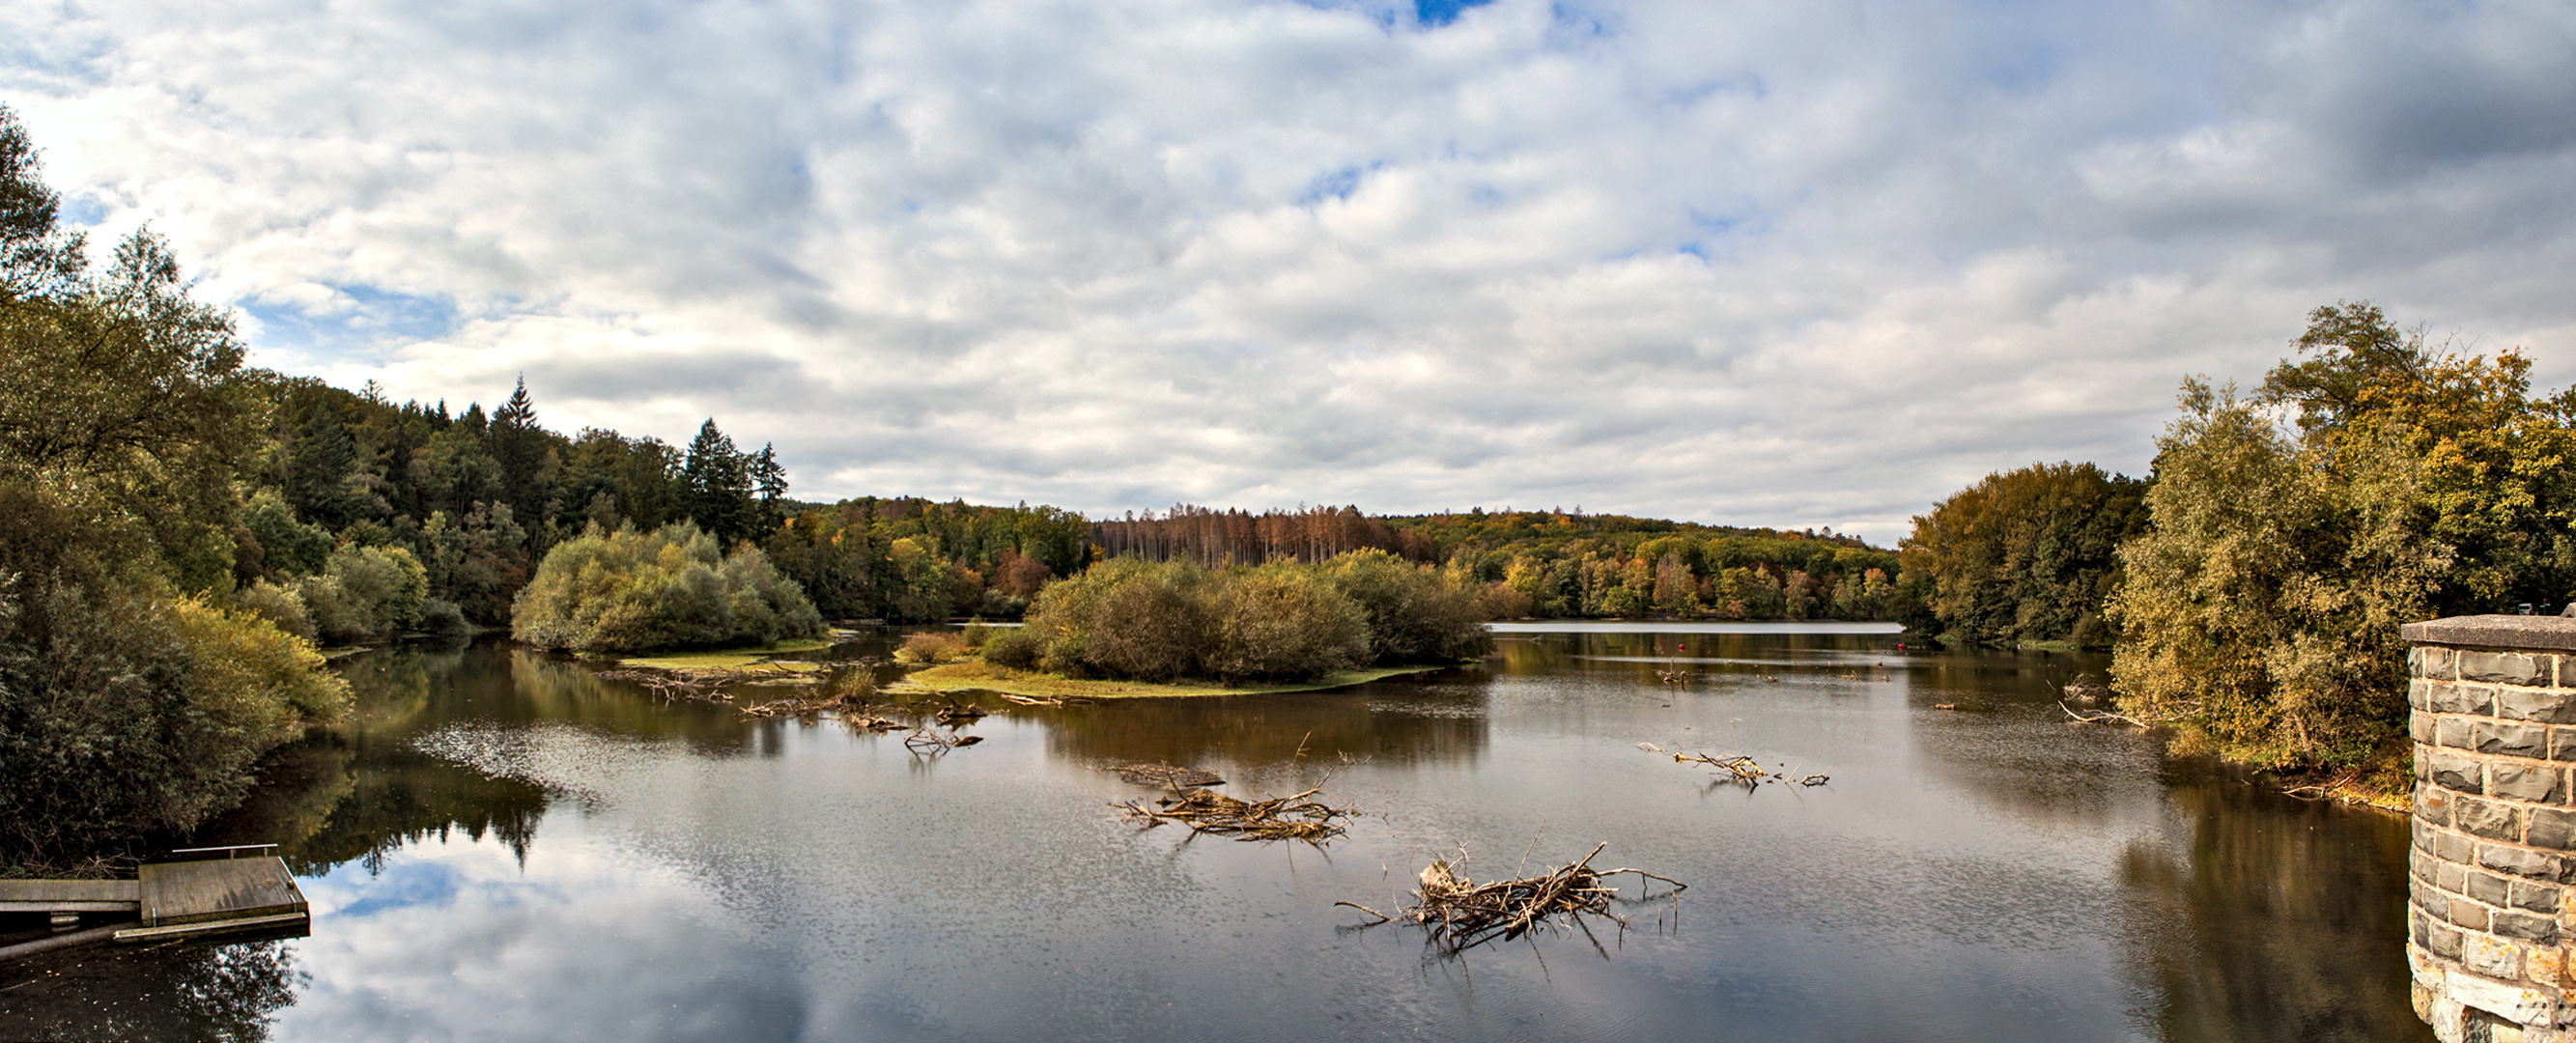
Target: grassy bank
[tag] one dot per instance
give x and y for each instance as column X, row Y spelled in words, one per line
column 978, row 675
column 734, row 658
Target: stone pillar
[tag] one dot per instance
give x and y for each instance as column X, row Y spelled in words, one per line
column 2492, row 910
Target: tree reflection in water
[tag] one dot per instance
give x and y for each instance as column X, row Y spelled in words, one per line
column 2244, row 926
column 230, row 991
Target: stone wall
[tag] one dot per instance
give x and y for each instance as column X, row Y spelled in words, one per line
column 2493, row 895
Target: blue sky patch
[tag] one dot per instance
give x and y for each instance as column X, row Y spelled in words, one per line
column 1334, row 184
column 1442, row 12
column 359, row 315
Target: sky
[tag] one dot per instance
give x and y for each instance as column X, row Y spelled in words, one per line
column 1797, row 264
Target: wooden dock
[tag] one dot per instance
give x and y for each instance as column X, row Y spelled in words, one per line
column 168, row 900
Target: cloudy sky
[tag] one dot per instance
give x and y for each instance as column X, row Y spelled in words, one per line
column 1789, row 263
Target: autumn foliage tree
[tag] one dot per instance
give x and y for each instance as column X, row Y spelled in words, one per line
column 2372, row 484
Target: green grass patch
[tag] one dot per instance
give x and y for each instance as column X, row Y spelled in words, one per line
column 734, row 658
column 975, row 674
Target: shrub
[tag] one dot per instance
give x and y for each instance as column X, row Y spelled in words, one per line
column 279, row 605
column 630, row 592
column 441, row 616
column 365, row 594
column 1020, row 648
column 1127, row 618
column 1415, row 614
column 1284, row 623
column 931, row 648
column 125, row 714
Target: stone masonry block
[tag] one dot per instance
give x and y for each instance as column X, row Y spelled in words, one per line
column 2546, row 967
column 2454, row 847
column 2551, row 706
column 2532, row 897
column 2418, row 695
column 2506, row 667
column 2452, row 730
column 2452, row 771
column 2486, row 887
column 2438, row 664
column 2493, row 957
column 2496, row 738
column 2419, row 727
column 2567, row 671
column 2530, row 927
column 2423, row 893
column 2562, row 742
column 2470, row 916
column 2493, row 820
column 2446, row 697
column 2550, row 828
column 2423, row 835
column 2433, row 804
column 2449, row 876
column 2442, row 938
column 2539, row 785
column 2415, row 661
column 2518, row 861
column 2415, row 927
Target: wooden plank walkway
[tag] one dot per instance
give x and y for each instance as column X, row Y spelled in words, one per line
column 69, row 896
column 216, row 895
column 167, row 900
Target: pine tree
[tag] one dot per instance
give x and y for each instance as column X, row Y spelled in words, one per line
column 519, row 446
column 318, row 470
column 770, row 480
column 718, row 483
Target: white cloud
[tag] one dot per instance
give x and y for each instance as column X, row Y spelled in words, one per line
column 1763, row 263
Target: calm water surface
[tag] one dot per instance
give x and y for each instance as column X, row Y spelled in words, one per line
column 501, row 845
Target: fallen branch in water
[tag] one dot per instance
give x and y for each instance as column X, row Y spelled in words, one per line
column 1461, row 914
column 923, row 740
column 1292, row 817
column 1746, row 771
column 1049, row 700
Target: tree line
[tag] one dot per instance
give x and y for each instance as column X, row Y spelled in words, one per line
column 2253, row 584
column 1555, row 564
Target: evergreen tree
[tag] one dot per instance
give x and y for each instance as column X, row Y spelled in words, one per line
column 520, row 446
column 770, row 480
column 317, row 478
column 718, row 483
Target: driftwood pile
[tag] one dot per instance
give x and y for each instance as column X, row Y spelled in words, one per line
column 673, row 686
column 1460, row 914
column 1749, row 773
column 1292, row 817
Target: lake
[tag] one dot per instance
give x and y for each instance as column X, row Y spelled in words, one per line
column 501, row 845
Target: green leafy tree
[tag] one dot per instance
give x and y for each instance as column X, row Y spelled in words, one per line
column 627, row 591
column 2025, row 555
column 131, row 700
column 2373, row 484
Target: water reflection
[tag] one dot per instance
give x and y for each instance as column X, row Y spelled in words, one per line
column 502, row 844
column 2229, row 915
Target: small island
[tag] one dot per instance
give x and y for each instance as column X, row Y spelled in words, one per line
column 1128, row 628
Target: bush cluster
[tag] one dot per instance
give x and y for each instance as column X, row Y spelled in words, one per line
column 629, row 591
column 1140, row 620
column 123, row 714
